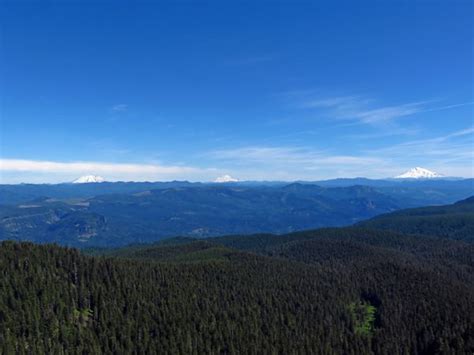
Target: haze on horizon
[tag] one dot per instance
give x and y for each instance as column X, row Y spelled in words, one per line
column 253, row 90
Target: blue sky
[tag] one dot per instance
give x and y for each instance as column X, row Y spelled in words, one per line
column 275, row 90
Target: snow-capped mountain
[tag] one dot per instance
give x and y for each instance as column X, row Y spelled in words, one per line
column 419, row 173
column 226, row 178
column 88, row 179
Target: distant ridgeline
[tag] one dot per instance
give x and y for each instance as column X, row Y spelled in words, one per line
column 328, row 291
column 116, row 214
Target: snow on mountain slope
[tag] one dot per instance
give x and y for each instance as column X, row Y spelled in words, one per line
column 419, row 173
column 88, row 179
column 226, row 178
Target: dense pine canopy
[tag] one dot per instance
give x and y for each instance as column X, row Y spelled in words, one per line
column 329, row 291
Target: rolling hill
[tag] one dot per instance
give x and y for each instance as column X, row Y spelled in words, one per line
column 114, row 214
column 346, row 290
column 454, row 221
column 120, row 219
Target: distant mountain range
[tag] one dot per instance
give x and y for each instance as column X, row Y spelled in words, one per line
column 109, row 214
column 445, row 190
column 415, row 173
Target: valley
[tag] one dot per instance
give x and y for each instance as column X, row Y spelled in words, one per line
column 117, row 214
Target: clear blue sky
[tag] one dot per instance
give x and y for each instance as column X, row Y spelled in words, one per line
column 278, row 90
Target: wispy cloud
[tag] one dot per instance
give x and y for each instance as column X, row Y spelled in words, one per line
column 363, row 110
column 340, row 103
column 448, row 107
column 268, row 155
column 382, row 134
column 120, row 108
column 297, row 162
column 111, row 171
column 456, row 135
column 389, row 113
column 451, row 154
column 366, row 111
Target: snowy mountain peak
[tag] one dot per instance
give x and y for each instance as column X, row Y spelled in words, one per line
column 226, row 178
column 419, row 173
column 88, row 179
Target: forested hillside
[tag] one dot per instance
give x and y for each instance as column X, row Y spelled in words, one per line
column 332, row 291
column 454, row 221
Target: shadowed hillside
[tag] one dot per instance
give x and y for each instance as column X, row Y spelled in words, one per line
column 454, row 221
